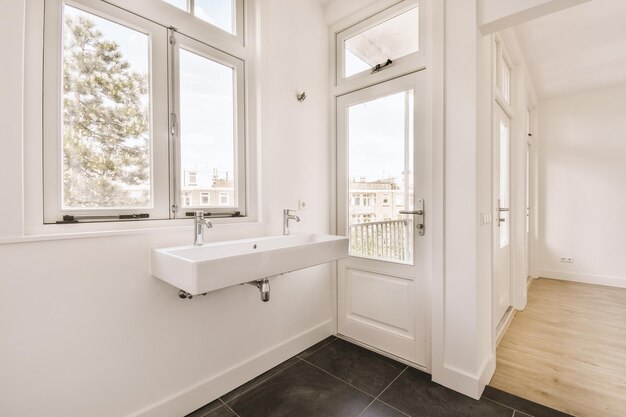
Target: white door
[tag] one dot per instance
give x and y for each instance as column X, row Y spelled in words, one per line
column 380, row 187
column 529, row 177
column 502, row 224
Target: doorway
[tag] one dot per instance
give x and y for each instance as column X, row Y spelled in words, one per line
column 502, row 225
column 380, row 195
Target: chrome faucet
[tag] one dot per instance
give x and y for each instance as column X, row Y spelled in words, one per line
column 198, row 230
column 286, row 217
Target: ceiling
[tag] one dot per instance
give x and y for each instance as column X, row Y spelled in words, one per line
column 577, row 49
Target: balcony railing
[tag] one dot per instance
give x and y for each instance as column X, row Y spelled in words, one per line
column 390, row 240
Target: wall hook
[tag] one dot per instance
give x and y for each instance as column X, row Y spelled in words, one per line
column 301, row 96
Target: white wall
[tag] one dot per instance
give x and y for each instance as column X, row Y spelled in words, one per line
column 463, row 348
column 11, row 104
column 582, row 187
column 86, row 331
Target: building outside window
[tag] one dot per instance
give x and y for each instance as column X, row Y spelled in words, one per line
column 192, row 178
column 187, row 199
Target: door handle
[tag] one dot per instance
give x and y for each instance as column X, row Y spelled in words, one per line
column 419, row 211
column 501, row 210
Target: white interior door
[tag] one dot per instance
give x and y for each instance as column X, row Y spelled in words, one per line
column 502, row 224
column 380, row 154
column 529, row 131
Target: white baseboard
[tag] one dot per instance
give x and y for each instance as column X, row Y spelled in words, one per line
column 609, row 281
column 466, row 383
column 196, row 396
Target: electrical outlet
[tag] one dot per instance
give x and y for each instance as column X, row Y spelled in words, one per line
column 567, row 259
column 302, row 205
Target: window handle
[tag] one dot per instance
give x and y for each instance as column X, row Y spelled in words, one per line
column 379, row 67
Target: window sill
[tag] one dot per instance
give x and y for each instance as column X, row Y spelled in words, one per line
column 224, row 227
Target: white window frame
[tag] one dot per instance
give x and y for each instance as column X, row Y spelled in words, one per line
column 503, row 61
column 133, row 15
column 239, row 169
column 400, row 66
column 238, row 22
column 52, row 125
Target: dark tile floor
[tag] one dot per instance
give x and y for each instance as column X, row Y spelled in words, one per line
column 336, row 378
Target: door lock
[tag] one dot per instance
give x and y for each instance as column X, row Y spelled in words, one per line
column 419, row 212
column 501, row 210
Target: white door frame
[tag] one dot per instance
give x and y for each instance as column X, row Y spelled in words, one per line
column 409, row 343
column 502, row 257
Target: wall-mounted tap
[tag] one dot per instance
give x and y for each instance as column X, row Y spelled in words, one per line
column 198, row 231
column 286, row 217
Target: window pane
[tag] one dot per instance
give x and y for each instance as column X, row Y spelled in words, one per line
column 219, row 13
column 207, row 145
column 506, row 81
column 106, row 118
column 392, row 39
column 380, row 167
column 181, row 4
column 504, row 182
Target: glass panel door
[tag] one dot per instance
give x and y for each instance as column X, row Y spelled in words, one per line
column 504, row 193
column 380, row 177
column 381, row 173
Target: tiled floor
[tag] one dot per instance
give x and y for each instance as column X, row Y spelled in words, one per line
column 338, row 379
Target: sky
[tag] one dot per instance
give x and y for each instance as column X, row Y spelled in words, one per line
column 376, row 145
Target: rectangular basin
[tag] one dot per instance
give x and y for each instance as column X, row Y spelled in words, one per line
column 200, row 269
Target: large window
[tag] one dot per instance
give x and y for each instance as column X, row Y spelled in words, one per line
column 134, row 110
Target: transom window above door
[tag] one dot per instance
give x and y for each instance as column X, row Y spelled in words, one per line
column 387, row 38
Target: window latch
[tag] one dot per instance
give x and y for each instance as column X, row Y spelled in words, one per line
column 76, row 219
column 209, row 214
column 379, row 67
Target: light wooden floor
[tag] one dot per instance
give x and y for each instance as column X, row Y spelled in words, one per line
column 567, row 349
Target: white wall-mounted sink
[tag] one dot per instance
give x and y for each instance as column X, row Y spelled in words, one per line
column 200, row 269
